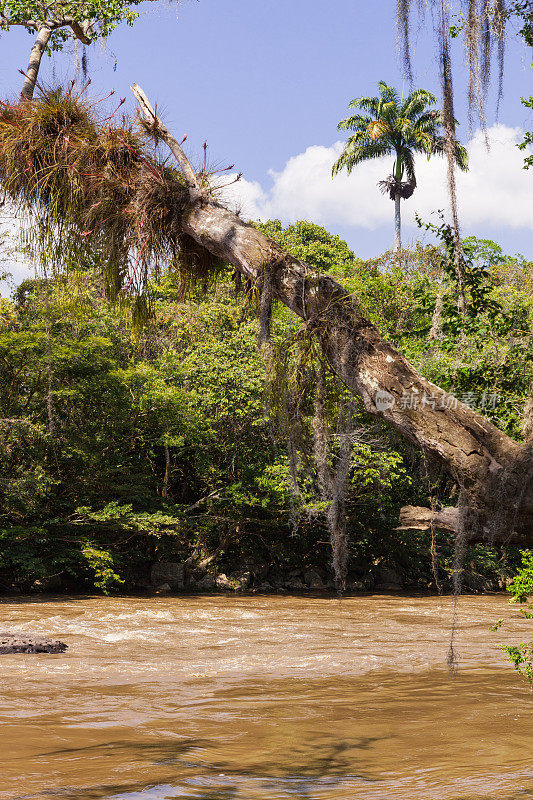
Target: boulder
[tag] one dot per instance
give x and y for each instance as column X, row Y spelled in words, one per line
column 241, row 579
column 222, row 582
column 51, row 583
column 11, row 643
column 313, row 579
column 276, row 579
column 295, row 584
column 236, row 581
column 206, row 584
column 171, row 572
column 258, row 569
column 388, row 579
column 163, row 589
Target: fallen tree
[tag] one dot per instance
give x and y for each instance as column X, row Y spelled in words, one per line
column 495, row 472
column 105, row 187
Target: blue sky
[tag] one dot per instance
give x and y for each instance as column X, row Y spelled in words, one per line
column 266, row 81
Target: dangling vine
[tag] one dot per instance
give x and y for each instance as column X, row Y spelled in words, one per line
column 266, row 298
column 483, row 24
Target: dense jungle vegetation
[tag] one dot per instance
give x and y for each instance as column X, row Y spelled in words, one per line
column 187, row 442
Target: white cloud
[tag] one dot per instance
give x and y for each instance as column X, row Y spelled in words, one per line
column 11, row 260
column 495, row 191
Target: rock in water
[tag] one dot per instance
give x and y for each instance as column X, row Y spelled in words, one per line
column 11, row 643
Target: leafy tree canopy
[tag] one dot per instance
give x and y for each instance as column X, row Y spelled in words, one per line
column 87, row 19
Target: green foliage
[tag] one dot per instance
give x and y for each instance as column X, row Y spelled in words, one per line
column 528, row 138
column 103, row 16
column 484, row 312
column 89, row 410
column 313, row 244
column 100, row 562
column 522, row 585
column 521, row 655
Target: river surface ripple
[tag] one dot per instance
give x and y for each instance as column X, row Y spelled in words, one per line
column 264, row 698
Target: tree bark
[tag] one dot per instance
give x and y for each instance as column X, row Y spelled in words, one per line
column 436, row 319
column 495, row 472
column 447, row 520
column 39, row 46
column 397, row 223
column 166, row 477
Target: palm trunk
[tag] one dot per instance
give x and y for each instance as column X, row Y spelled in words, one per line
column 30, row 79
column 397, row 223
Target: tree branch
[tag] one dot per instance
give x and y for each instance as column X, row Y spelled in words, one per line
column 161, row 131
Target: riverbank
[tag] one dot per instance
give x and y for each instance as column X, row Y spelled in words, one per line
column 176, row 579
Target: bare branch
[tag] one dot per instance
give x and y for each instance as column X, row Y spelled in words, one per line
column 163, row 133
column 82, row 31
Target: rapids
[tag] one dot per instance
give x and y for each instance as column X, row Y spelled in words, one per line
column 264, row 698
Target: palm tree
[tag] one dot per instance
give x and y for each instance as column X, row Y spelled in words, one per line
column 399, row 127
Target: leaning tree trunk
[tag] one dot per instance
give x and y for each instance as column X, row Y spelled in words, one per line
column 30, row 78
column 495, row 472
column 397, row 223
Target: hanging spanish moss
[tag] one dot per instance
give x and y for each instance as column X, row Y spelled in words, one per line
column 45, row 288
column 527, row 421
column 482, row 23
column 449, row 122
column 336, row 516
column 284, row 390
column 461, row 537
column 404, row 38
column 433, row 545
column 321, row 438
column 333, row 475
column 266, row 298
column 434, row 552
column 294, row 369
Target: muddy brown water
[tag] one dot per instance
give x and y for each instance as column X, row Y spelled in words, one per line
column 260, row 698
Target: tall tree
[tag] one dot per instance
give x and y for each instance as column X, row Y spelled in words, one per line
column 398, row 127
column 55, row 22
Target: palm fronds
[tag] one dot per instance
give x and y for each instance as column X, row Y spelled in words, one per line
column 395, row 126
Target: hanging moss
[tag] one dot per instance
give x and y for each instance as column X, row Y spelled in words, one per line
column 336, row 515
column 527, row 421
column 482, row 23
column 266, row 298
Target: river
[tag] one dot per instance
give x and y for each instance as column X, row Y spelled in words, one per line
column 260, row 698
